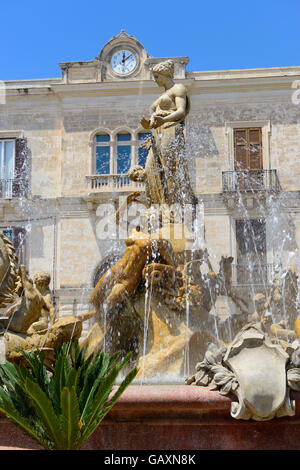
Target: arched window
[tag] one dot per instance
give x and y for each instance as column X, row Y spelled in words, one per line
column 102, row 154
column 142, row 153
column 124, row 150
column 116, row 153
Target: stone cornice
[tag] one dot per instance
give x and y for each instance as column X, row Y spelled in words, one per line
column 276, row 78
column 234, row 74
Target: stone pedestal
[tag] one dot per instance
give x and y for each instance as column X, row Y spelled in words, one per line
column 177, row 417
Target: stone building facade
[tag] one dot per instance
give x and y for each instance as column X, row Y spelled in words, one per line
column 67, row 144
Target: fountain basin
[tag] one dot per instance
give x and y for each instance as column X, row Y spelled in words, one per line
column 176, row 417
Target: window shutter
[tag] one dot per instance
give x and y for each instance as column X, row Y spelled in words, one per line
column 240, row 149
column 248, row 149
column 255, row 149
column 21, row 181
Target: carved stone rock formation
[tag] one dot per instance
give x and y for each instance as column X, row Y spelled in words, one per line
column 25, row 308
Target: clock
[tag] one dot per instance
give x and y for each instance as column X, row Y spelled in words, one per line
column 123, row 62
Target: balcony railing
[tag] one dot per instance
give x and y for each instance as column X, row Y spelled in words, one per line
column 111, row 183
column 251, row 274
column 14, row 187
column 6, row 188
column 250, row 180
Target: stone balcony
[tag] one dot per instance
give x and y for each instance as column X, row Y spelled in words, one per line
column 112, row 183
column 250, row 181
column 15, row 187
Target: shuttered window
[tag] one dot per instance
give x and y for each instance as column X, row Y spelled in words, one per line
column 248, row 149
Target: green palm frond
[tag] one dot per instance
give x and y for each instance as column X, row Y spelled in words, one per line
column 26, row 425
column 69, row 418
column 63, row 408
column 45, row 411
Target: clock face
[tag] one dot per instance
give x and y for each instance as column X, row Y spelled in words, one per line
column 123, row 62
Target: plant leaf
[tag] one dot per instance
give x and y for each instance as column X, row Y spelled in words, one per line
column 69, row 418
column 45, row 411
column 15, row 417
column 98, row 413
column 104, row 391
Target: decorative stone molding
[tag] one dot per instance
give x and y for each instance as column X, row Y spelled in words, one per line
column 100, row 70
column 15, row 134
column 235, row 200
column 257, row 370
column 122, row 41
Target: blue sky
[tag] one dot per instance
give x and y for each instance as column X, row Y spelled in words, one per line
column 36, row 35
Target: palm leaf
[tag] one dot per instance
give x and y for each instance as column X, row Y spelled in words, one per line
column 97, row 414
column 78, row 354
column 72, row 378
column 62, row 410
column 8, row 371
column 39, row 372
column 10, row 376
column 124, row 384
column 89, row 400
column 45, row 410
column 70, row 418
column 92, row 378
column 15, row 417
column 57, row 383
column 103, row 393
column 22, row 372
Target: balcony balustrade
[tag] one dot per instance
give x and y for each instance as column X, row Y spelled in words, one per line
column 15, row 187
column 250, row 180
column 6, row 188
column 112, row 183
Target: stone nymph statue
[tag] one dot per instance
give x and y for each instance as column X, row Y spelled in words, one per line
column 166, row 172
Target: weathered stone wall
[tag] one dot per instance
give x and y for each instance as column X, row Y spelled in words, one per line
column 39, row 119
column 207, row 139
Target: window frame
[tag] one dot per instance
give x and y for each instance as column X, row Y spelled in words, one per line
column 6, row 187
column 101, row 144
column 123, row 143
column 113, row 143
column 265, row 140
column 3, row 141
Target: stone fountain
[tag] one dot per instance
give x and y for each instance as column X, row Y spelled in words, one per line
column 164, row 288
column 158, row 298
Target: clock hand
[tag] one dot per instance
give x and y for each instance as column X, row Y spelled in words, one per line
column 127, row 57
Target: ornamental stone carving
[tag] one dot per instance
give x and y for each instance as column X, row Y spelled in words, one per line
column 257, row 370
